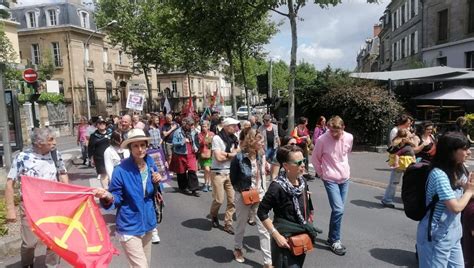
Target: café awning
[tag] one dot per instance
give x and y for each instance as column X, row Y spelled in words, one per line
column 455, row 93
column 415, row 74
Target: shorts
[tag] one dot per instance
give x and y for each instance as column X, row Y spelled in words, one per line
column 168, row 149
column 205, row 162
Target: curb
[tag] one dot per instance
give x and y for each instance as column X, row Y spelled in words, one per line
column 11, row 246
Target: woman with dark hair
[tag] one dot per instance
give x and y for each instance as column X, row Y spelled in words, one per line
column 275, row 168
column 292, row 208
column 425, row 142
column 449, row 189
column 114, row 154
column 320, row 128
column 303, row 140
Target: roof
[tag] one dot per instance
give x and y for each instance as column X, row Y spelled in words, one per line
column 412, row 74
column 455, row 93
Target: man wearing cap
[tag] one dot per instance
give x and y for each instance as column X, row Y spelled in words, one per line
column 225, row 146
column 269, row 132
column 99, row 141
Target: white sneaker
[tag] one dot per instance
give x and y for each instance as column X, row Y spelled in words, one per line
column 155, row 238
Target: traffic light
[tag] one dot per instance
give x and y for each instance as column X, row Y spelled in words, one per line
column 262, row 83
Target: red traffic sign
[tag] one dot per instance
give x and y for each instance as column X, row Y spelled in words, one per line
column 30, row 75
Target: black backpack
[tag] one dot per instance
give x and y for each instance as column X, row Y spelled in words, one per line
column 414, row 190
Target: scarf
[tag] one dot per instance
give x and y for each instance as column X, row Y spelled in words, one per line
column 294, row 192
column 229, row 141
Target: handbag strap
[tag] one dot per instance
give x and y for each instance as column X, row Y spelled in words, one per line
column 304, row 204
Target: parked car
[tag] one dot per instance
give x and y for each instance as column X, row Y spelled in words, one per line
column 242, row 113
column 260, row 109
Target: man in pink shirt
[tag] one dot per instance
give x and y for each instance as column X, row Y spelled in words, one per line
column 330, row 160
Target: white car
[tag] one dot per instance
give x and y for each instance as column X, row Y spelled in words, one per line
column 242, row 113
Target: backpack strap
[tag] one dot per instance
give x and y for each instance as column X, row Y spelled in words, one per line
column 431, row 208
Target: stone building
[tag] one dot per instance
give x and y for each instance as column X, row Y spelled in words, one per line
column 58, row 32
column 448, row 34
column 368, row 56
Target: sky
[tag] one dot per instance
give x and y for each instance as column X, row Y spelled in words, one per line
column 330, row 36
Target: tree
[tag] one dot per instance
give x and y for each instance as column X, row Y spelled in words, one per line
column 8, row 56
column 226, row 28
column 293, row 7
column 141, row 33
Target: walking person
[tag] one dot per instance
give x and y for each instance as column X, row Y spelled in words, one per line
column 320, row 128
column 292, row 207
column 184, row 161
column 404, row 122
column 205, row 154
column 438, row 239
column 276, row 167
column 225, row 147
column 269, row 132
column 98, row 143
column 82, row 138
column 132, row 192
column 247, row 171
column 167, row 135
column 331, row 162
column 114, row 154
column 43, row 162
column 426, row 142
column 154, row 132
column 303, row 140
column 125, row 125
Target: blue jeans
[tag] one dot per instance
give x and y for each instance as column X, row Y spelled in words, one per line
column 395, row 177
column 337, row 194
column 270, row 154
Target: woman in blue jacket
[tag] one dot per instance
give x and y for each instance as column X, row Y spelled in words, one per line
column 131, row 192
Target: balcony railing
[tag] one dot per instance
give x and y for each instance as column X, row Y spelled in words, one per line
column 123, row 68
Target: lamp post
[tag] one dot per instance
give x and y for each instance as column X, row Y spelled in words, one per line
column 86, row 78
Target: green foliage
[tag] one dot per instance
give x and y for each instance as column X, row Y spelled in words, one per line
column 3, row 218
column 53, row 98
column 470, row 124
column 46, row 67
column 7, row 53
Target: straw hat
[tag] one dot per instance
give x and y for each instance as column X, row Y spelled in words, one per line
column 134, row 135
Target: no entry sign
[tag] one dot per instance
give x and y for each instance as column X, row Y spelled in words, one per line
column 30, row 75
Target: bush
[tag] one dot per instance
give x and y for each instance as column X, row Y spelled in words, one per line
column 368, row 111
column 53, row 98
column 470, row 124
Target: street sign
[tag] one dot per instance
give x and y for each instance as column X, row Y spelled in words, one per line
column 30, row 75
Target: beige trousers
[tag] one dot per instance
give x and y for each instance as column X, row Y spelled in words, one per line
column 28, row 244
column 138, row 250
column 221, row 186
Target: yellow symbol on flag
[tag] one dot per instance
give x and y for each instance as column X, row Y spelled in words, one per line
column 73, row 224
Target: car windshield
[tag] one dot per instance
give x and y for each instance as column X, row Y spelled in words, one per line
column 242, row 109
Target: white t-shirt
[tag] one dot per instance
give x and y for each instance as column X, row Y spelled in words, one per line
column 219, row 166
column 30, row 163
column 392, row 135
column 112, row 158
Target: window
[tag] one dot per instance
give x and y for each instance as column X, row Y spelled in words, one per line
column 403, row 14
column 443, row 25
column 471, row 16
column 105, row 55
column 403, row 48
column 158, row 85
column 395, row 20
column 56, row 54
column 108, row 89
column 86, row 54
column 120, row 58
column 443, row 61
column 84, row 18
column 412, row 44
column 32, row 19
column 52, row 17
column 174, row 85
column 412, row 8
column 395, row 49
column 61, row 87
column 469, row 59
column 35, row 54
column 90, row 84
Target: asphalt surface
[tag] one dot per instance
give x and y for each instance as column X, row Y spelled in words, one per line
column 374, row 236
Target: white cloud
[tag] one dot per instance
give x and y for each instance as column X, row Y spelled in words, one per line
column 314, row 52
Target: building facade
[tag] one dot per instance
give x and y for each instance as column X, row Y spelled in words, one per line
column 368, row 56
column 448, row 38
column 58, row 33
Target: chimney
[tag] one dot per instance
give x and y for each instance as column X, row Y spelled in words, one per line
column 377, row 29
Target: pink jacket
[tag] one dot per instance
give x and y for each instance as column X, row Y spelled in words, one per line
column 330, row 157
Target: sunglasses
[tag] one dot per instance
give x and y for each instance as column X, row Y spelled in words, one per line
column 293, row 143
column 299, row 162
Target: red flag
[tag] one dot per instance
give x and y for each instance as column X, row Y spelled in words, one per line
column 188, row 110
column 67, row 219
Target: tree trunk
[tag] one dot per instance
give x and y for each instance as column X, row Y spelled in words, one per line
column 232, row 81
column 242, row 67
column 291, row 86
column 148, row 87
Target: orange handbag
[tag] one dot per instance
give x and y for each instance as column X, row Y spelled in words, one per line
column 300, row 244
column 250, row 197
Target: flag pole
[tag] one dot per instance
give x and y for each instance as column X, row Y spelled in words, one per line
column 58, row 192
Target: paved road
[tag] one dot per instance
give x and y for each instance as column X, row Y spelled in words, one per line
column 375, row 237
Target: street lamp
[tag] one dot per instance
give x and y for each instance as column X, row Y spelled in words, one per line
column 86, row 79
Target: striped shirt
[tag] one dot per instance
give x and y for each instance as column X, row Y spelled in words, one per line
column 438, row 183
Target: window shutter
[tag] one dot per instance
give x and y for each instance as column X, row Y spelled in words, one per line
column 409, row 9
column 406, row 12
column 416, row 7
column 399, row 49
column 393, row 21
column 416, row 42
column 393, row 52
column 406, row 46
